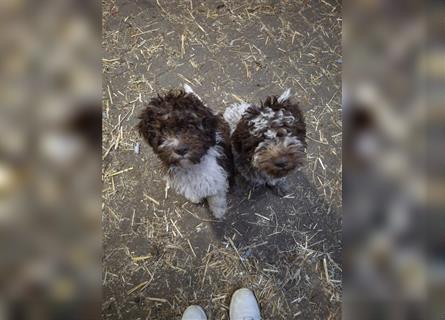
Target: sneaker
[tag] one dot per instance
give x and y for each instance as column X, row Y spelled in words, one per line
column 244, row 306
column 194, row 313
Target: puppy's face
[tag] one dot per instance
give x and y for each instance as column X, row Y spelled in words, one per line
column 179, row 129
column 182, row 142
column 278, row 153
column 272, row 138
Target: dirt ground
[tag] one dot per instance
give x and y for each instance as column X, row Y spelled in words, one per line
column 162, row 253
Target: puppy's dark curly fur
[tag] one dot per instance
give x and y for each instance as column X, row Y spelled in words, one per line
column 269, row 140
column 184, row 115
column 193, row 145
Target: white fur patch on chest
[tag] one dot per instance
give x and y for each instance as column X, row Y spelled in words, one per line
column 201, row 180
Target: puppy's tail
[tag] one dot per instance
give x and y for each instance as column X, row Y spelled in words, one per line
column 189, row 90
column 284, row 96
column 234, row 113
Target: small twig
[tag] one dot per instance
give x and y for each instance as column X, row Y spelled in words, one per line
column 191, row 248
column 139, row 287
column 151, row 199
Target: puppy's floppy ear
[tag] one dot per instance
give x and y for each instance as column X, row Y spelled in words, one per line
column 146, row 125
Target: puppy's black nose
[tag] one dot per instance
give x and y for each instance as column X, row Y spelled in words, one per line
column 181, row 150
column 280, row 162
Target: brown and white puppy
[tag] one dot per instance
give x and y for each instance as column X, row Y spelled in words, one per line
column 193, row 144
column 268, row 141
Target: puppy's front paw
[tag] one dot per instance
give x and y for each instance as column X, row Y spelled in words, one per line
column 218, row 205
column 194, row 200
column 282, row 188
column 218, row 212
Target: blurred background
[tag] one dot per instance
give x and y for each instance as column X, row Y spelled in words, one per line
column 393, row 191
column 393, row 178
column 50, row 139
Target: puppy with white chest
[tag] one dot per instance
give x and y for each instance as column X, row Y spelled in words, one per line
column 193, row 145
column 268, row 141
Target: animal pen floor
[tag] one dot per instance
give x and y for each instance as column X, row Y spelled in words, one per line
column 160, row 252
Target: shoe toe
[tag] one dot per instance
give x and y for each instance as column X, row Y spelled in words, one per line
column 244, row 305
column 194, row 313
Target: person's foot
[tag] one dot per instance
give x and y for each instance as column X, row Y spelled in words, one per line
column 244, row 306
column 194, row 313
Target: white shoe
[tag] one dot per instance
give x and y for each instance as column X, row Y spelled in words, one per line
column 244, row 306
column 194, row 313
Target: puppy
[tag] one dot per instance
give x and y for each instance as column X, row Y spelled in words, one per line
column 268, row 141
column 193, row 145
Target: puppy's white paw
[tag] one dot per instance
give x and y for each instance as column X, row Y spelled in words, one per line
column 194, row 200
column 217, row 212
column 218, row 205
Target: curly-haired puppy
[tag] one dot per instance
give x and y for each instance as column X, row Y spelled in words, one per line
column 193, row 144
column 268, row 141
